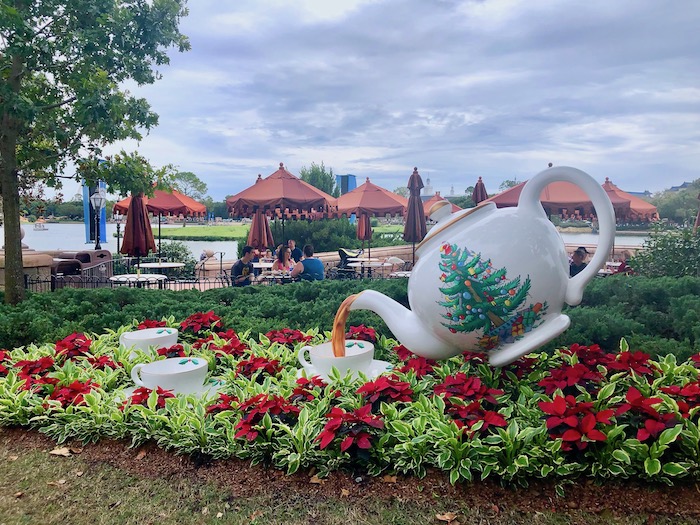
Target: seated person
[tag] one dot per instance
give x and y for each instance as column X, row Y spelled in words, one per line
column 309, row 268
column 624, row 267
column 242, row 270
column 284, row 262
column 267, row 256
column 578, row 261
column 296, row 252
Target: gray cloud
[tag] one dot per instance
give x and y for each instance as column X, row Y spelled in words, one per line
column 460, row 89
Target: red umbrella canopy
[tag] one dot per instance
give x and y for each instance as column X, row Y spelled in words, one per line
column 260, row 235
column 138, row 237
column 166, row 203
column 414, row 228
column 437, row 198
column 636, row 208
column 372, row 200
column 479, row 194
column 564, row 195
column 280, row 190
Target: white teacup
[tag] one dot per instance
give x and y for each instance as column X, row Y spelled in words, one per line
column 148, row 338
column 182, row 375
column 358, row 358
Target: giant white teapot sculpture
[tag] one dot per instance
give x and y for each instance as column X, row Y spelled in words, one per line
column 493, row 280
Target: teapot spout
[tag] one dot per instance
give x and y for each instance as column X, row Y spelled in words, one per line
column 408, row 328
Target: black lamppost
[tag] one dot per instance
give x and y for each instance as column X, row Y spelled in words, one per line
column 118, row 219
column 98, row 201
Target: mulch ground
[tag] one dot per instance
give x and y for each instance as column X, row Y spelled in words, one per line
column 241, row 481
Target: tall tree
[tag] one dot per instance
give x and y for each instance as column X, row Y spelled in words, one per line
column 62, row 65
column 318, row 177
column 402, row 190
column 189, row 184
column 508, row 183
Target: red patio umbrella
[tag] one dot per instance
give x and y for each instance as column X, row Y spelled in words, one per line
column 414, row 228
column 281, row 191
column 138, row 237
column 260, row 235
column 479, row 194
column 166, row 203
column 364, row 231
column 372, row 200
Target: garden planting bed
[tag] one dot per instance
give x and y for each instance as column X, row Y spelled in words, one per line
column 580, row 428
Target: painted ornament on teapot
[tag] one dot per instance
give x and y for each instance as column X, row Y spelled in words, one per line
column 479, row 297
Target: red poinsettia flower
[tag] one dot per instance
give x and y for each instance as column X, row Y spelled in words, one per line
column 695, row 359
column 474, row 358
column 467, row 388
column 640, row 413
column 569, row 376
column 76, row 344
column 637, row 402
column 150, row 323
column 362, row 333
column 690, row 394
column 637, row 362
column 248, row 367
column 102, row 362
column 388, row 389
column 420, row 366
column 403, row 353
column 353, row 425
column 255, row 408
column 522, row 366
column 33, row 368
column 176, row 350
column 4, row 362
column 307, row 389
column 575, row 423
column 287, row 336
column 224, row 403
column 73, row 393
column 199, row 322
column 591, row 356
column 140, row 397
column 467, row 415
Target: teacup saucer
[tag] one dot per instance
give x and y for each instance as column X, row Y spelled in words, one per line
column 377, row 368
column 210, row 389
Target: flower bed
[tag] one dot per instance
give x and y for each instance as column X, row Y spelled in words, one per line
column 578, row 412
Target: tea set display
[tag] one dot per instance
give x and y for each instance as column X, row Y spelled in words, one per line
column 485, row 280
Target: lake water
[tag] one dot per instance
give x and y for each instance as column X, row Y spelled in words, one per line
column 71, row 237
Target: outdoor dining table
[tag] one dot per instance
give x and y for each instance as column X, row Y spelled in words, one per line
column 163, row 266
column 261, row 265
column 365, row 265
column 276, row 278
column 139, row 280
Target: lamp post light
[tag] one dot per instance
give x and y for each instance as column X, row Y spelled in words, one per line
column 118, row 219
column 98, row 201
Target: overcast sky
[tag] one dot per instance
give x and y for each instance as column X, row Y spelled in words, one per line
column 460, row 89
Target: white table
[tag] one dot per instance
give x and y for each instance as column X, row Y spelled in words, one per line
column 143, row 280
column 368, row 265
column 261, row 265
column 163, row 266
column 277, row 277
column 362, row 259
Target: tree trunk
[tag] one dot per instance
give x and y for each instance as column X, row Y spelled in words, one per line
column 9, row 189
column 14, row 267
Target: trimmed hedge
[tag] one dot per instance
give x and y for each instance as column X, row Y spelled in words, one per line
column 657, row 315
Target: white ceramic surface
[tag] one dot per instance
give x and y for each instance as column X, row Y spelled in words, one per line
column 358, row 356
column 210, row 389
column 453, row 310
column 376, row 368
column 148, row 339
column 182, row 375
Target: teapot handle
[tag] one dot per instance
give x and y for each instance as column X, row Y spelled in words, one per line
column 530, row 202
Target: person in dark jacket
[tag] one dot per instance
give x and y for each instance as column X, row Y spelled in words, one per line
column 296, row 252
column 578, row 261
